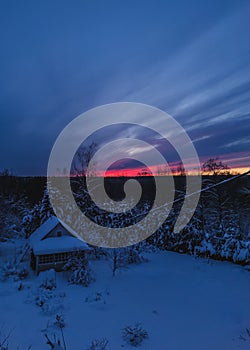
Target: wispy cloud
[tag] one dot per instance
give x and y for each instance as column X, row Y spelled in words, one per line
column 205, row 84
column 198, row 72
column 201, row 138
column 238, row 142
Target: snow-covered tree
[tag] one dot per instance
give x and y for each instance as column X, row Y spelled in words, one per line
column 37, row 215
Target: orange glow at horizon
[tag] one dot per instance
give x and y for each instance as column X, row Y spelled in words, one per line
column 155, row 171
column 135, row 172
column 236, row 163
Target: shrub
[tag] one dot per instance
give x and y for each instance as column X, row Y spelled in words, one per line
column 50, row 333
column 98, row 344
column 4, row 340
column 48, row 279
column 134, row 335
column 49, row 301
column 54, row 343
column 12, row 268
column 79, row 271
column 81, row 275
column 97, row 297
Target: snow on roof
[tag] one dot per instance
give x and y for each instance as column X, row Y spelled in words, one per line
column 43, row 230
column 59, row 245
column 54, row 244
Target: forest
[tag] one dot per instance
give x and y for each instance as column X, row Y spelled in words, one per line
column 219, row 228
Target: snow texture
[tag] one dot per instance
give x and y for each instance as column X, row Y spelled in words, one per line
column 184, row 303
column 43, row 245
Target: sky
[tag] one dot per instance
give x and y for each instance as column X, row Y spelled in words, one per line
column 60, row 58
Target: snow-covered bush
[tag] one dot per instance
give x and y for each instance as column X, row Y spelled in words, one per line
column 98, row 344
column 59, row 321
column 22, row 272
column 51, row 333
column 134, row 335
column 48, row 279
column 79, row 271
column 81, row 275
column 55, row 323
column 4, row 339
column 205, row 249
column 245, row 336
column 12, row 208
column 12, row 268
column 53, row 342
column 49, row 301
column 97, row 297
column 132, row 255
column 236, row 250
column 225, row 248
column 247, row 267
column 122, row 257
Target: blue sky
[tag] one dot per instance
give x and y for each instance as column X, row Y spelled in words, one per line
column 60, row 58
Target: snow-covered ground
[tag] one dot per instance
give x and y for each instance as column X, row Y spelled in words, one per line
column 184, row 303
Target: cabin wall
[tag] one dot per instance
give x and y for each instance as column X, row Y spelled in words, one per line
column 57, row 231
column 55, row 261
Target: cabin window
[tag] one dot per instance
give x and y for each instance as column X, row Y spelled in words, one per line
column 54, row 258
column 59, row 233
column 61, row 257
column 46, row 259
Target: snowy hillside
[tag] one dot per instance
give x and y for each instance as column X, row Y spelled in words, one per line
column 183, row 303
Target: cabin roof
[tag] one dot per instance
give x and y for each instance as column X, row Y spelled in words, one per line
column 59, row 245
column 43, row 230
column 42, row 245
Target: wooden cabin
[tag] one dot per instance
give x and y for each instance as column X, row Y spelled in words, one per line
column 52, row 245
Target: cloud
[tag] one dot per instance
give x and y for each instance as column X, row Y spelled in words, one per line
column 195, row 68
column 238, row 142
column 201, row 138
column 205, row 84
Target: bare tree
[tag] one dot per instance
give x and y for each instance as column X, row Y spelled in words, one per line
column 81, row 160
column 180, row 169
column 214, row 166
